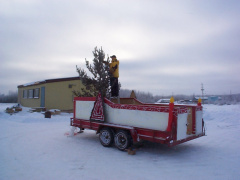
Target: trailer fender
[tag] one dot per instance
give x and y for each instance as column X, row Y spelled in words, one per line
column 104, row 126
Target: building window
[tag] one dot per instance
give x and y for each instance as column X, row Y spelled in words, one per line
column 25, row 94
column 30, row 93
column 36, row 93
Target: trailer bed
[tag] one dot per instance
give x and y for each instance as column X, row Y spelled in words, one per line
column 167, row 124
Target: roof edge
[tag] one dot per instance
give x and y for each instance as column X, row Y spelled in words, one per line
column 48, row 81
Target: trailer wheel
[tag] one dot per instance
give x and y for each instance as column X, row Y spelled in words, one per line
column 122, row 140
column 106, row 137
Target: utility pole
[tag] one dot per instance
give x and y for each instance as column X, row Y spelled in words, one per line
column 202, row 89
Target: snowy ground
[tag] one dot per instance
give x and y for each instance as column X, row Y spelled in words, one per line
column 32, row 147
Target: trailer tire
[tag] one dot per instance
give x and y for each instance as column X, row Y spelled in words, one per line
column 106, row 137
column 122, row 140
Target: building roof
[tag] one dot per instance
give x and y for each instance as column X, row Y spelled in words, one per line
column 48, row 81
column 202, row 98
column 163, row 101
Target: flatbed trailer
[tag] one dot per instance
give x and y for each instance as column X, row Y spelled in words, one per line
column 131, row 121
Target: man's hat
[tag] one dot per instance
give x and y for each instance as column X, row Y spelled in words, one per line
column 113, row 56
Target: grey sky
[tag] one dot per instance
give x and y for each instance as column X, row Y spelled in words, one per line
column 164, row 47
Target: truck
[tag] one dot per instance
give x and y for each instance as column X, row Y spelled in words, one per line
column 125, row 121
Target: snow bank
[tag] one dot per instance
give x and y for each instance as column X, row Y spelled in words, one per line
column 34, row 147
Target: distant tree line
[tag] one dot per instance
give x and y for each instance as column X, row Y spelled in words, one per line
column 229, row 99
column 12, row 97
column 150, row 98
column 141, row 96
column 147, row 97
column 144, row 97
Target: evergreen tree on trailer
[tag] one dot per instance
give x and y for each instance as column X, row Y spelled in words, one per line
column 100, row 79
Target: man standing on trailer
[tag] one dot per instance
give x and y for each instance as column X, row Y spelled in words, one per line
column 114, row 70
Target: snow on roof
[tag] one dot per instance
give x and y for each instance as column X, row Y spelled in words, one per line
column 163, row 101
column 203, row 98
column 34, row 83
column 48, row 81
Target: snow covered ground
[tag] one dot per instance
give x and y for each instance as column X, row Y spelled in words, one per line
column 32, row 147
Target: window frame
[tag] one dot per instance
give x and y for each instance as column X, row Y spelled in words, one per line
column 30, row 93
column 36, row 93
column 25, row 94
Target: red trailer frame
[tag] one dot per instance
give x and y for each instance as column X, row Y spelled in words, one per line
column 168, row 137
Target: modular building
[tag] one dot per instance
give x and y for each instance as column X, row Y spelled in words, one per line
column 50, row 93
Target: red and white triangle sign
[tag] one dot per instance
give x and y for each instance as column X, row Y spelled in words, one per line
column 97, row 112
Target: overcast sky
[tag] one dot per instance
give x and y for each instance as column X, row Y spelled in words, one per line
column 164, row 46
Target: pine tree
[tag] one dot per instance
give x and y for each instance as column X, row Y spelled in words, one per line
column 99, row 81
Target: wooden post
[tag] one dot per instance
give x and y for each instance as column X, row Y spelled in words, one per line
column 133, row 95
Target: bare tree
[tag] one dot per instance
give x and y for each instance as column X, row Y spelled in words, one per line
column 12, row 97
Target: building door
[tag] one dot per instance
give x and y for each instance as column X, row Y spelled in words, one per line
column 42, row 97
